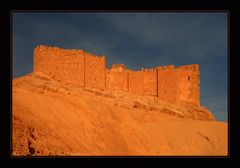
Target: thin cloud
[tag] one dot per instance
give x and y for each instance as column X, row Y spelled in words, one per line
column 193, row 34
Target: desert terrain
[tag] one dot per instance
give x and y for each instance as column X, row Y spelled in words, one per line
column 53, row 118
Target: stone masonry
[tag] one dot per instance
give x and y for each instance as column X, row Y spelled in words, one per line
column 174, row 84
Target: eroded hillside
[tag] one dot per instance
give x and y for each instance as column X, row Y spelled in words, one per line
column 55, row 118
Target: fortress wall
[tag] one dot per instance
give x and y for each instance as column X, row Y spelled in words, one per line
column 189, row 84
column 95, row 71
column 150, row 82
column 71, row 70
column 117, row 81
column 136, row 81
column 40, row 56
column 77, row 67
column 62, row 64
column 167, row 83
column 45, row 59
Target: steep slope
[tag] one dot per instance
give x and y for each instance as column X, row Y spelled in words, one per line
column 54, row 118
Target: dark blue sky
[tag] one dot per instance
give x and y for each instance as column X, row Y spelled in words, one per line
column 136, row 40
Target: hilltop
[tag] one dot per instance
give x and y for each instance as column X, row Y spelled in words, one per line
column 51, row 117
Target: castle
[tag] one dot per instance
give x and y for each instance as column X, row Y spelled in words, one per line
column 170, row 83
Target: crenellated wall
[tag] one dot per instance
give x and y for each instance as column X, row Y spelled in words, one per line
column 189, row 84
column 150, row 81
column 174, row 84
column 95, row 72
column 117, row 80
column 167, row 83
column 71, row 66
column 61, row 64
column 136, row 82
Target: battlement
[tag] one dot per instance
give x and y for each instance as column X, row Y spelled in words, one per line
column 148, row 69
column 71, row 66
column 194, row 67
column 166, row 67
column 174, row 84
column 117, row 68
column 43, row 48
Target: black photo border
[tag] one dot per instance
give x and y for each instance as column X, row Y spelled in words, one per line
column 6, row 10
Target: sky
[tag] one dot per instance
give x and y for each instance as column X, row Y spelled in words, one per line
column 136, row 39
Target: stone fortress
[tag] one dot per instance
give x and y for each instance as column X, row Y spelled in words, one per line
column 170, row 83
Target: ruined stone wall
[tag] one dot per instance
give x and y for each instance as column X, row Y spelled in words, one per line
column 117, row 68
column 117, row 81
column 142, row 82
column 167, row 83
column 95, row 71
column 136, row 81
column 150, row 82
column 189, row 84
column 70, row 66
column 71, row 70
column 62, row 64
column 174, row 84
column 179, row 84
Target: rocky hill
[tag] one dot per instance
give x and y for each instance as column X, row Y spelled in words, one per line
column 50, row 117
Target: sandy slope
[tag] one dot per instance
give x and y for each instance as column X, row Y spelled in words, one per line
column 52, row 118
